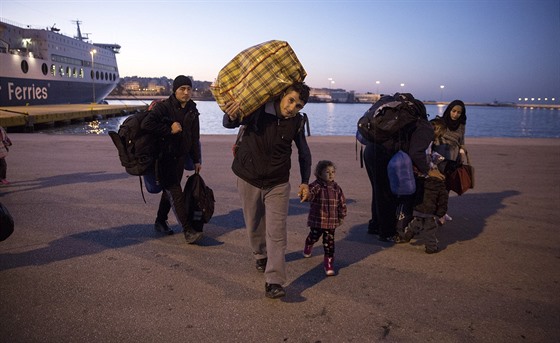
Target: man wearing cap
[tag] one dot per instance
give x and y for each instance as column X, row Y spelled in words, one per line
column 175, row 123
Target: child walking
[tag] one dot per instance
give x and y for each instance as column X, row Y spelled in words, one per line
column 431, row 200
column 326, row 213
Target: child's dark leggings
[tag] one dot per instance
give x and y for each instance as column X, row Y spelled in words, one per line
column 328, row 239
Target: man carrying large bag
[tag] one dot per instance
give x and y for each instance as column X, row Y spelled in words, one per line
column 262, row 90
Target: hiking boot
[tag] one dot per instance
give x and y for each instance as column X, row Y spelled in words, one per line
column 328, row 266
column 260, row 264
column 192, row 236
column 161, row 226
column 274, row 291
column 307, row 250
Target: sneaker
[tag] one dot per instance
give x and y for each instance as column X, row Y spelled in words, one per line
column 274, row 291
column 405, row 238
column 260, row 264
column 328, row 266
column 161, row 226
column 307, row 250
column 432, row 251
column 390, row 239
column 192, row 236
column 5, row 182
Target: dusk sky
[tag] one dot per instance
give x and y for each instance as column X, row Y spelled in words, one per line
column 480, row 51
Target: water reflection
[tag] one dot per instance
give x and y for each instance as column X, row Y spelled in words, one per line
column 340, row 120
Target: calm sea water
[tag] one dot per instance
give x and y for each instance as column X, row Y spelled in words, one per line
column 328, row 119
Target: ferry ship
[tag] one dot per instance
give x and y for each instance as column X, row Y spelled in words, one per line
column 40, row 66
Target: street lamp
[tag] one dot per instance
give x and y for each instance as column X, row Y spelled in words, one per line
column 441, row 97
column 377, row 83
column 402, row 87
column 93, row 52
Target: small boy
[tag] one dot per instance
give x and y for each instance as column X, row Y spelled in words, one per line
column 431, row 200
column 327, row 211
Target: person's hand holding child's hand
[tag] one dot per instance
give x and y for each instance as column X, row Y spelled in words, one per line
column 303, row 192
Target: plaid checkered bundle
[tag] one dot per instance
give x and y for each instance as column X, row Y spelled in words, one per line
column 256, row 75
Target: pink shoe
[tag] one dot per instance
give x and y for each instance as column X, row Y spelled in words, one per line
column 328, row 265
column 5, row 182
column 307, row 250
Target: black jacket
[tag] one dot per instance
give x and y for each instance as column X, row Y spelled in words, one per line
column 174, row 147
column 431, row 197
column 263, row 158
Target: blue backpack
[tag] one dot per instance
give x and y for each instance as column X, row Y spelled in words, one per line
column 401, row 174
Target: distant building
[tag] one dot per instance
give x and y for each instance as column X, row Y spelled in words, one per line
column 330, row 95
column 131, row 85
column 369, row 98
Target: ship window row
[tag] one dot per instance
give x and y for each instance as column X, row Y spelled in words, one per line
column 78, row 62
column 66, row 60
column 68, row 71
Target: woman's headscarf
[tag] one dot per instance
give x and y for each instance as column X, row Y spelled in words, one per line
column 454, row 124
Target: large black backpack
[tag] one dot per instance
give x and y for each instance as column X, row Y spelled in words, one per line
column 199, row 201
column 388, row 116
column 138, row 150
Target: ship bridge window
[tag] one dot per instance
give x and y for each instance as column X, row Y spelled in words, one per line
column 91, row 74
column 44, row 69
column 68, row 73
column 61, row 70
column 97, row 75
column 74, row 72
column 53, row 70
column 24, row 66
column 81, row 73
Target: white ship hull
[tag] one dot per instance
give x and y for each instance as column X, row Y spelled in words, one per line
column 43, row 67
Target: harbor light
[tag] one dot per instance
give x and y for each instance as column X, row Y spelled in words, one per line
column 441, row 95
column 377, row 83
column 331, row 83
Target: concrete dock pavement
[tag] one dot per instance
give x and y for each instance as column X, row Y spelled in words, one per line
column 85, row 265
column 26, row 118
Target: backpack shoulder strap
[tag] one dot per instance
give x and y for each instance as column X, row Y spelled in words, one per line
column 304, row 123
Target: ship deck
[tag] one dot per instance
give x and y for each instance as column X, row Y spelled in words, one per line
column 26, row 118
